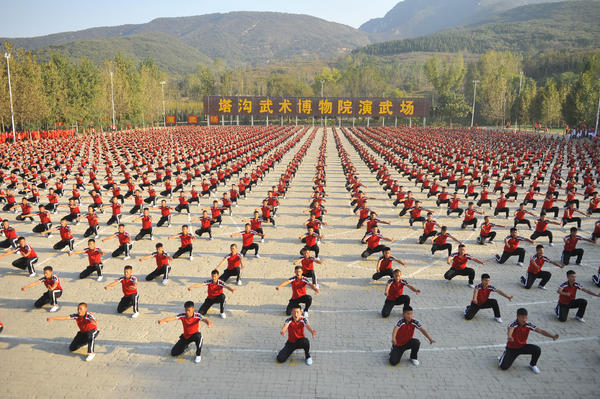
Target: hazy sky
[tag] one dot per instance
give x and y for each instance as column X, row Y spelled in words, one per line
column 26, row 18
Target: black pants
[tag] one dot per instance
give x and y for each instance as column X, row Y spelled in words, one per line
column 142, row 233
column 91, row 231
column 481, row 202
column 96, row 267
column 253, row 246
column 184, row 342
column 371, row 251
column 290, row 347
column 208, row 302
column 542, row 274
column 537, row 234
column 566, row 256
column 455, row 210
column 157, row 272
column 467, row 271
column 49, row 297
column 125, row 248
column 531, row 201
column 491, row 236
column 520, row 252
column 203, row 230
column 42, row 227
column 229, row 273
column 472, row 309
column 472, row 222
column 596, row 280
column 572, row 220
column 180, row 208
column 83, row 338
column 389, row 304
column 181, row 250
column 522, row 221
column 163, row 220
column 9, row 243
column 26, row 264
column 135, row 209
column 388, row 272
column 314, row 248
column 436, row 247
column 563, row 310
column 412, row 220
column 305, row 299
column 114, row 219
column 128, row 301
column 554, row 209
column 510, row 354
column 424, row 237
column 397, row 351
column 311, row 274
column 61, row 244
column 501, row 210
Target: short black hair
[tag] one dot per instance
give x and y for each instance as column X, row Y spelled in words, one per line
column 539, row 246
column 570, row 272
column 188, row 304
column 485, row 275
column 407, row 309
column 521, row 312
column 49, row 268
column 128, row 267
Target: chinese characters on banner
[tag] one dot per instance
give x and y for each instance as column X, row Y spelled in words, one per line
column 317, row 106
column 170, row 119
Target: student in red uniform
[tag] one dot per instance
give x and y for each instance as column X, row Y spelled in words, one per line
column 10, row 234
column 162, row 264
column 45, row 221
column 518, row 332
column 470, row 219
column 92, row 219
column 266, row 210
column 88, row 329
column 299, row 294
column 215, row 213
column 28, row 256
column 428, row 228
column 146, row 225
column 94, row 259
column 66, row 236
column 535, row 269
column 372, row 239
column 186, row 239
column 307, row 263
column 191, row 324
column 438, row 243
column 183, row 204
column 215, row 288
column 165, row 214
column 501, row 205
column 310, row 240
column 511, row 248
column 541, row 229
column 481, row 299
column 486, row 231
column 458, row 265
column 568, row 216
column 394, row 293
column 566, row 298
column 130, row 294
column 548, row 205
column 248, row 240
column 115, row 207
column 403, row 338
column 125, row 244
column 235, row 262
column 520, row 216
column 53, row 289
column 294, row 326
column 570, row 249
column 384, row 265
column 205, row 225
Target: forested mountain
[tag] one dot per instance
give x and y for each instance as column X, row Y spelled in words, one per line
column 236, row 37
column 527, row 29
column 412, row 18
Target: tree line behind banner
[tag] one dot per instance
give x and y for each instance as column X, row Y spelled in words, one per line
column 317, row 106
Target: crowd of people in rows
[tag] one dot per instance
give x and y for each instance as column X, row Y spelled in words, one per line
column 38, row 179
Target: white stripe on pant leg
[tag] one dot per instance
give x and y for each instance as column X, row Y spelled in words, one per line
column 93, row 341
column 135, row 302
column 501, row 358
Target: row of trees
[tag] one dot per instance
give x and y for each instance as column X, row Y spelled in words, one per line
column 505, row 94
column 61, row 92
column 58, row 92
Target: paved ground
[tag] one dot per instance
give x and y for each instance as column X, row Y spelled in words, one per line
column 351, row 347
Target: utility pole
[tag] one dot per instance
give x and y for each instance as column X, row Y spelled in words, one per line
column 112, row 99
column 162, row 88
column 474, row 94
column 12, row 112
column 520, row 101
column 597, row 116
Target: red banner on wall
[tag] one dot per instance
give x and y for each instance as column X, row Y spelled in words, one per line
column 214, row 119
column 192, row 119
column 170, row 119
